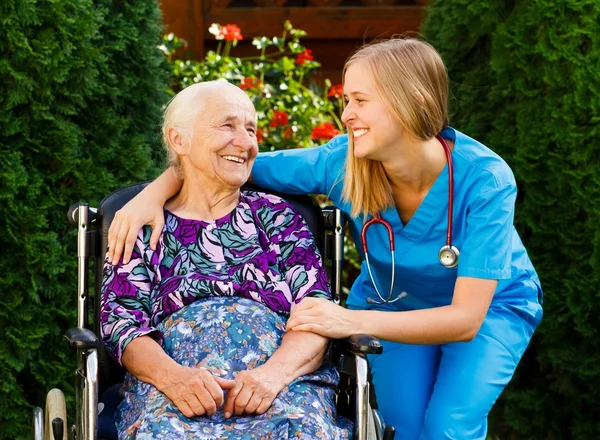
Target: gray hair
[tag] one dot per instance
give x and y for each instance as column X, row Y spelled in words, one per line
column 181, row 113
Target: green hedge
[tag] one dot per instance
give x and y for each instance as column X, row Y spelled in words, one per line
column 526, row 81
column 82, row 88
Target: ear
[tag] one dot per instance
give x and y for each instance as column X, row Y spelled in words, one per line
column 177, row 142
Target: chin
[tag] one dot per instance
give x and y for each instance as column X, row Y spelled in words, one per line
column 360, row 152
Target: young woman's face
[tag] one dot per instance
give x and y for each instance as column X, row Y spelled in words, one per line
column 224, row 143
column 376, row 134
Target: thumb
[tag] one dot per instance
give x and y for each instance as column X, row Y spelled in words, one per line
column 225, row 384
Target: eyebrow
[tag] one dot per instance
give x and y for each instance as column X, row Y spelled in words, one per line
column 234, row 118
column 358, row 92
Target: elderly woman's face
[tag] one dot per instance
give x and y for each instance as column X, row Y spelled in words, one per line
column 224, row 143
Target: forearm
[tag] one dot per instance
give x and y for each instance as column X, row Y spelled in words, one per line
column 145, row 359
column 428, row 326
column 164, row 186
column 300, row 353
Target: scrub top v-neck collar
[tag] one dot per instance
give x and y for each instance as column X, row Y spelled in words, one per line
column 436, row 199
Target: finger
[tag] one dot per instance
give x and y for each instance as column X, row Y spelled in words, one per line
column 129, row 243
column 185, row 408
column 225, row 384
column 253, row 404
column 196, row 405
column 310, row 328
column 204, row 396
column 157, row 228
column 230, row 401
column 297, row 320
column 112, row 232
column 242, row 399
column 119, row 241
column 215, row 391
column 264, row 406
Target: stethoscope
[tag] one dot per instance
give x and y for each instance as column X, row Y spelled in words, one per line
column 448, row 254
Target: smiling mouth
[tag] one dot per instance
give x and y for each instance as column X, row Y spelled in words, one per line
column 234, row 159
column 359, row 133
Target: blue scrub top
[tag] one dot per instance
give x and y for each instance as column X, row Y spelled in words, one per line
column 483, row 231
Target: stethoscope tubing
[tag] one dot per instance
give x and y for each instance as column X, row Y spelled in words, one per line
column 448, row 247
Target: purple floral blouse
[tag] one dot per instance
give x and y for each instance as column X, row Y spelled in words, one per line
column 262, row 250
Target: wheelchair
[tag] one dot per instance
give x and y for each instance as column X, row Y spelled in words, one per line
column 98, row 376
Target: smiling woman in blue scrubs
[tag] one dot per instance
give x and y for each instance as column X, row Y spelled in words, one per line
column 453, row 341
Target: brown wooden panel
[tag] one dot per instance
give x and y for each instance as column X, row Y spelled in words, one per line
column 328, row 23
column 333, row 32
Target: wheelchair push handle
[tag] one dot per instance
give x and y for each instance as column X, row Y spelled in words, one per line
column 73, row 213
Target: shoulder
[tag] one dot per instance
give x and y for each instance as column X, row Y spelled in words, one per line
column 259, row 199
column 337, row 147
column 476, row 164
column 271, row 210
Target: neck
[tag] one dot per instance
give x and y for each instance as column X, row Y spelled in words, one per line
column 415, row 165
column 202, row 199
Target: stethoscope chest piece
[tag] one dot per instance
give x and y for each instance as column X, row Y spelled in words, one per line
column 448, row 256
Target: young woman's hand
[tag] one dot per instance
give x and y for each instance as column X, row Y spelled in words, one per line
column 125, row 227
column 195, row 391
column 254, row 392
column 321, row 316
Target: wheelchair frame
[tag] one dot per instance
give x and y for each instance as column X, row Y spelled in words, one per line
column 353, row 366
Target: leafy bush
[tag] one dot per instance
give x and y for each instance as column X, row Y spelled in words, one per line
column 526, row 83
column 82, row 90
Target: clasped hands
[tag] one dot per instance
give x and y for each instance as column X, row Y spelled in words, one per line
column 198, row 392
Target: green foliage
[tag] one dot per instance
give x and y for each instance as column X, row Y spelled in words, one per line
column 526, row 80
column 291, row 111
column 82, row 89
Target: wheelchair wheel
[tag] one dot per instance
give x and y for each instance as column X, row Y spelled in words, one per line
column 55, row 423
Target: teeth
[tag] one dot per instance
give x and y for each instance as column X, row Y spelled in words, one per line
column 234, row 159
column 359, row 133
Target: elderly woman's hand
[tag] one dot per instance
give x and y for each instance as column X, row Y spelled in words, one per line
column 254, row 392
column 195, row 391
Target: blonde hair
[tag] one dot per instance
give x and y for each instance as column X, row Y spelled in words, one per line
column 411, row 80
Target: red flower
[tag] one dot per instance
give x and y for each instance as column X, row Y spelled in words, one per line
column 336, row 91
column 288, row 133
column 250, row 82
column 324, row 132
column 279, row 118
column 304, row 57
column 259, row 136
column 231, row 32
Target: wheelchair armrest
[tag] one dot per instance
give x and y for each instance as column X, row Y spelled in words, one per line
column 81, row 338
column 361, row 344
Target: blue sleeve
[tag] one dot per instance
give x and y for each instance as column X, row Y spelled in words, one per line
column 301, row 170
column 487, row 249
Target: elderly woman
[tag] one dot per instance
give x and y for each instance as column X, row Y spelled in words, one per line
column 199, row 320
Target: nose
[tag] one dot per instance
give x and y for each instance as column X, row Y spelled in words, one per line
column 347, row 114
column 244, row 140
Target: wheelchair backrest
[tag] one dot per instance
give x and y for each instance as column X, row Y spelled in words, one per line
column 109, row 372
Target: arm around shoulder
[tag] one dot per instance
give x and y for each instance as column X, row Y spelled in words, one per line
column 144, row 209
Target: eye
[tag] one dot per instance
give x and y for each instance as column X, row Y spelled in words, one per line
column 251, row 130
